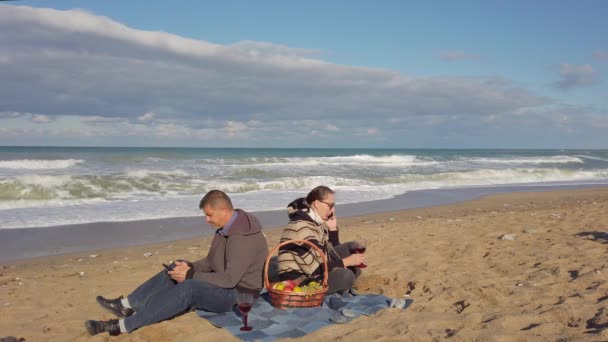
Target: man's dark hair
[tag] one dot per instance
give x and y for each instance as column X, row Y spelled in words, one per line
column 214, row 199
column 318, row 194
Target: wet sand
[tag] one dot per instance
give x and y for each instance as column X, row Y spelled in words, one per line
column 548, row 281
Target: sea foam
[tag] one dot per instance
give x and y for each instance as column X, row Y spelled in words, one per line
column 33, row 164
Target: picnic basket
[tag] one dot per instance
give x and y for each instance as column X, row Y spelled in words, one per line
column 289, row 299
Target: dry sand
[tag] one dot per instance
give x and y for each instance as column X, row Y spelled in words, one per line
column 547, row 284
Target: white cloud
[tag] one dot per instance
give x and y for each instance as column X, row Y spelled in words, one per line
column 12, row 114
column 172, row 130
column 91, row 76
column 490, row 118
column 255, row 123
column 13, row 132
column 366, row 132
column 149, row 116
column 331, row 128
column 598, row 121
column 233, row 128
column 259, row 49
column 95, row 119
column 40, row 118
column 576, row 76
column 91, row 64
column 601, row 55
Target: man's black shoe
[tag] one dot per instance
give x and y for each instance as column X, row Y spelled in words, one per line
column 97, row 327
column 114, row 306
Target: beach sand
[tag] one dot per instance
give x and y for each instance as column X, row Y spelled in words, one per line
column 549, row 283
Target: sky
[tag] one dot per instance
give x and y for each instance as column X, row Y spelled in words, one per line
column 345, row 74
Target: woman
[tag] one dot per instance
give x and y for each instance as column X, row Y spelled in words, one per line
column 313, row 219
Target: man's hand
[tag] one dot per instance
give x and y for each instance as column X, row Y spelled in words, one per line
column 353, row 260
column 332, row 223
column 179, row 271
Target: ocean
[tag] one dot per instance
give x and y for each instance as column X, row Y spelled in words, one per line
column 50, row 186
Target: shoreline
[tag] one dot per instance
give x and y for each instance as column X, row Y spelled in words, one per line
column 21, row 244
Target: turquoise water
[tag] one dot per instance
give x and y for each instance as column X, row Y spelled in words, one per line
column 46, row 186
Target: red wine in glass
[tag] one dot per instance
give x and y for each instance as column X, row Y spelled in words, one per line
column 360, row 249
column 245, row 301
column 244, row 308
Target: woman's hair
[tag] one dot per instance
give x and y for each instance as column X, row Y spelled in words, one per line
column 318, row 194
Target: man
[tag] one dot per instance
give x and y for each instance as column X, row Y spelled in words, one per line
column 234, row 264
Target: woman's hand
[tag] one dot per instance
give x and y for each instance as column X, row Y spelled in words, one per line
column 354, row 260
column 332, row 223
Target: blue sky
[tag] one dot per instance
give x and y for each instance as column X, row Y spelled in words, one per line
column 435, row 74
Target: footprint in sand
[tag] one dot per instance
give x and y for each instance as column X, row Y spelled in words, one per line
column 461, row 305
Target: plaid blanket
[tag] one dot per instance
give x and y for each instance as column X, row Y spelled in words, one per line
column 270, row 323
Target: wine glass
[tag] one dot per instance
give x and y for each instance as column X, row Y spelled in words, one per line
column 360, row 246
column 245, row 302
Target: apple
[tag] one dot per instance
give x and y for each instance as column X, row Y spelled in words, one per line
column 289, row 285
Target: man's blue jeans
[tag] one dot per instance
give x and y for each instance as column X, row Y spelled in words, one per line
column 161, row 298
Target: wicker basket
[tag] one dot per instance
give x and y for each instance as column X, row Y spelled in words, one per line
column 288, row 299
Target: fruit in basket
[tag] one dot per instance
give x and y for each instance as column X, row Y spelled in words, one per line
column 314, row 284
column 285, row 285
column 311, row 287
column 289, row 285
